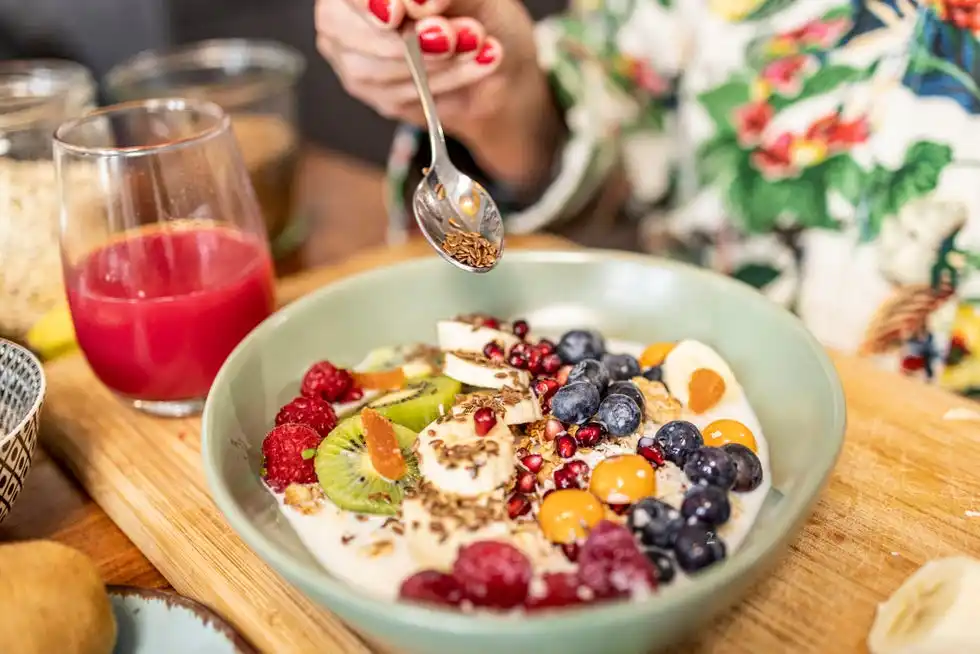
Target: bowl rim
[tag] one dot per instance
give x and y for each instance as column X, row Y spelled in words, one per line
column 600, row 616
column 41, row 391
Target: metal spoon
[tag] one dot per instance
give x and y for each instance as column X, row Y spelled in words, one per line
column 447, row 200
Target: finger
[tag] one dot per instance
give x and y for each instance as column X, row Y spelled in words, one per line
column 459, row 75
column 419, row 9
column 388, row 14
column 348, row 25
column 437, row 38
column 470, row 35
column 371, row 70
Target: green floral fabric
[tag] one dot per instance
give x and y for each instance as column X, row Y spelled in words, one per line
column 825, row 151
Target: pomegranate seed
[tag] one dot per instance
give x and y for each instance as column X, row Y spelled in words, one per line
column 545, row 346
column 534, row 362
column 589, row 435
column 619, row 509
column 565, row 446
column 578, row 468
column 489, row 322
column 570, row 550
column 484, row 420
column 517, row 506
column 526, row 481
column 564, row 479
column 553, row 429
column 517, row 360
column 562, row 376
column 520, row 328
column 493, row 350
column 647, row 448
column 545, row 387
column 533, row 462
column 523, row 348
column 550, row 364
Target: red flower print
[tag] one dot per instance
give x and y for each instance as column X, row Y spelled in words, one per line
column 964, row 14
column 822, row 34
column 785, row 75
column 775, row 161
column 750, row 120
column 837, row 133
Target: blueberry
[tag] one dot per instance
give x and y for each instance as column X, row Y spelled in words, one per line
column 592, row 371
column 696, row 548
column 622, row 366
column 575, row 403
column 655, row 374
column 708, row 505
column 748, row 468
column 711, row 465
column 579, row 344
column 619, row 414
column 663, row 562
column 654, row 522
column 629, row 389
column 679, row 439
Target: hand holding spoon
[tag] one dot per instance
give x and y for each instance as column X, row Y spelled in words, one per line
column 456, row 215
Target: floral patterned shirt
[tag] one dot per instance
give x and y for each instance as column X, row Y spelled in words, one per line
column 826, row 152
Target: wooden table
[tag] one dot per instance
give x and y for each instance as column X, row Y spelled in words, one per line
column 344, row 198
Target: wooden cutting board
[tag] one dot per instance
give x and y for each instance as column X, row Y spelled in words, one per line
column 907, row 489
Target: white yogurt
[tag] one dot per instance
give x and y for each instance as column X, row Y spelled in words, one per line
column 362, row 551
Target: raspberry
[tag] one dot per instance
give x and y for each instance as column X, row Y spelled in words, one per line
column 431, row 587
column 553, row 590
column 326, row 381
column 612, row 565
column 287, row 453
column 493, row 574
column 310, row 411
column 353, row 394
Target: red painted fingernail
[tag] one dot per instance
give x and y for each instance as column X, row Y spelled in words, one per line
column 420, row 2
column 487, row 54
column 381, row 9
column 466, row 40
column 433, row 40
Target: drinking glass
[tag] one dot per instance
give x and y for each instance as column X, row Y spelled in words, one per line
column 255, row 82
column 164, row 250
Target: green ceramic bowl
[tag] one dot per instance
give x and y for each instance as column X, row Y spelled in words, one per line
column 788, row 377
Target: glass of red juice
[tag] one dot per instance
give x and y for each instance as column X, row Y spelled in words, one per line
column 164, row 249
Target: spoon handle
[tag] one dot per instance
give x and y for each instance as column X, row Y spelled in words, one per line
column 413, row 55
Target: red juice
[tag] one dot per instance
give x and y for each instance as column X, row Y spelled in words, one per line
column 157, row 314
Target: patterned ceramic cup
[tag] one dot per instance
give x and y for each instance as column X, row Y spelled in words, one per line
column 21, row 395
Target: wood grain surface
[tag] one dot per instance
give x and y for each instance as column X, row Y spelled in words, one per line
column 905, row 490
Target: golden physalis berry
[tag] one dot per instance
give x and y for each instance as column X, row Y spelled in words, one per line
column 381, row 380
column 725, row 431
column 567, row 515
column 623, row 479
column 655, row 354
column 705, row 389
column 382, row 445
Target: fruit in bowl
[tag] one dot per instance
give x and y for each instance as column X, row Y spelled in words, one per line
column 561, row 444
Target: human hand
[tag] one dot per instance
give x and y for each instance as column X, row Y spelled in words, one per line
column 481, row 63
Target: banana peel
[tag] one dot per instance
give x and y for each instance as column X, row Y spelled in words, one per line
column 53, row 336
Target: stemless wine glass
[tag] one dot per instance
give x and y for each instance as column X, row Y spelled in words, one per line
column 164, row 249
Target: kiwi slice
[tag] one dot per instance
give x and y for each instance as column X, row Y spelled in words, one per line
column 344, row 470
column 417, row 405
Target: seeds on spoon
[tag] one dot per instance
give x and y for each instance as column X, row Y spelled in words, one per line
column 470, row 248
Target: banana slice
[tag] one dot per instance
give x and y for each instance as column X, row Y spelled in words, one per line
column 461, row 335
column 454, row 460
column 437, row 525
column 689, row 356
column 936, row 611
column 516, row 406
column 477, row 370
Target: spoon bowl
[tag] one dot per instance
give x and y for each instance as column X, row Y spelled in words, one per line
column 447, row 201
